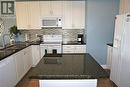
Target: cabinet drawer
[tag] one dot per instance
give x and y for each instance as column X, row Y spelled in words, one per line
column 80, row 49
column 68, row 49
column 74, row 48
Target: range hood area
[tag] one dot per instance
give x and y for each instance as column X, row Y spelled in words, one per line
column 52, row 22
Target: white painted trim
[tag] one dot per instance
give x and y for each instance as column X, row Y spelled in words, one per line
column 105, row 66
column 69, row 83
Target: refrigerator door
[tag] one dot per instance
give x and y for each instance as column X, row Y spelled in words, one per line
column 119, row 26
column 116, row 58
column 125, row 55
column 116, row 63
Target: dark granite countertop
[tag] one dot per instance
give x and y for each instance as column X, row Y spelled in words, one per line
column 73, row 43
column 68, row 66
column 110, row 44
column 8, row 51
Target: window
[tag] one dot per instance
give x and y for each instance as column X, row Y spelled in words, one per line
column 7, row 7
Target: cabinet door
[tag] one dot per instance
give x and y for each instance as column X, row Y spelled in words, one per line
column 19, row 65
column 51, row 8
column 34, row 15
column 27, row 58
column 109, row 56
column 35, row 54
column 56, row 8
column 67, row 15
column 7, row 72
column 124, row 6
column 74, row 15
column 45, row 9
column 74, row 48
column 42, row 51
column 78, row 14
column 22, row 15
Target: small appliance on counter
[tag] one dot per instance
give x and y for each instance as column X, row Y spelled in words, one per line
column 80, row 38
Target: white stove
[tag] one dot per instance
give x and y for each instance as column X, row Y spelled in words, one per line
column 52, row 43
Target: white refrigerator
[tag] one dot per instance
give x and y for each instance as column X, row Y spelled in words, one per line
column 120, row 70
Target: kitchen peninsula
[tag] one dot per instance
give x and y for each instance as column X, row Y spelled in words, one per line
column 67, row 68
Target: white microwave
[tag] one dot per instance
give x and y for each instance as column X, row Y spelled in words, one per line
column 51, row 22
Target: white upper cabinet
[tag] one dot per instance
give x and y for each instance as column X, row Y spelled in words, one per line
column 45, row 8
column 67, row 15
column 74, row 15
column 56, row 7
column 78, row 14
column 22, row 15
column 51, row 8
column 28, row 15
column 124, row 6
column 34, row 15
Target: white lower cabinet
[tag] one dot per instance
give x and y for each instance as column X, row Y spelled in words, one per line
column 73, row 14
column 19, row 65
column 14, row 67
column 27, row 59
column 8, row 72
column 74, row 48
column 35, row 54
column 23, row 60
column 109, row 56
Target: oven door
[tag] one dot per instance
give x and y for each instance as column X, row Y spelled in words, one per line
column 50, row 49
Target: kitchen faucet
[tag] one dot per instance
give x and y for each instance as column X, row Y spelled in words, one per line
column 4, row 44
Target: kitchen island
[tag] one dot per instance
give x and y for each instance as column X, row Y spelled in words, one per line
column 71, row 69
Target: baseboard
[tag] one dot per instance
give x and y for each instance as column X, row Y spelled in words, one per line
column 105, row 66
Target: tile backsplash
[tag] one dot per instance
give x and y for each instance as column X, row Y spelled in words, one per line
column 68, row 34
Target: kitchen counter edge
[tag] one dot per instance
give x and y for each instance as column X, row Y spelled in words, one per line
column 6, row 54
